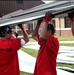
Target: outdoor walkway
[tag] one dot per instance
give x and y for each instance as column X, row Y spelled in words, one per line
column 66, row 41
column 27, row 62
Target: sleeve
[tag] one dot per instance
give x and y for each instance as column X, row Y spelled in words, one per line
column 52, row 43
column 40, row 42
column 18, row 43
column 23, row 42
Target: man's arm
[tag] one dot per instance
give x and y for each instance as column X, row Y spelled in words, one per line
column 44, row 26
column 35, row 32
column 25, row 35
column 71, row 16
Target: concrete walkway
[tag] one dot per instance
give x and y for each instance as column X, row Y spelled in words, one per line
column 65, row 56
column 27, row 62
column 66, row 42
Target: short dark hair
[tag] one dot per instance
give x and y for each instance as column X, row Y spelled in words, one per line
column 4, row 30
column 16, row 34
column 51, row 27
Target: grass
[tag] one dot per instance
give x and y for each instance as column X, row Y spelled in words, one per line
column 60, row 38
column 24, row 73
column 71, row 56
column 31, row 52
column 65, row 38
column 32, row 40
column 66, row 65
column 68, row 44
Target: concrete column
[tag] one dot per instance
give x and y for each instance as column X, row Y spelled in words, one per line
column 58, row 26
column 33, row 25
column 16, row 29
column 62, row 22
column 57, row 22
column 26, row 26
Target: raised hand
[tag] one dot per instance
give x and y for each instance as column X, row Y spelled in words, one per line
column 21, row 26
column 48, row 17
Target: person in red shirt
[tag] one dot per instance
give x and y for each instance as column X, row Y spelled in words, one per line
column 9, row 64
column 71, row 16
column 49, row 46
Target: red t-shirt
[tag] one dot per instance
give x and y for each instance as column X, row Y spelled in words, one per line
column 46, row 59
column 8, row 56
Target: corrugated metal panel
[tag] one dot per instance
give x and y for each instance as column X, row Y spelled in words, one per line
column 33, row 15
column 45, row 6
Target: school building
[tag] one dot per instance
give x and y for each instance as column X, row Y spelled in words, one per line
column 62, row 26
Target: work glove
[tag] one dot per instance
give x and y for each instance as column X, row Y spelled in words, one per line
column 48, row 17
column 21, row 26
column 39, row 22
column 71, row 15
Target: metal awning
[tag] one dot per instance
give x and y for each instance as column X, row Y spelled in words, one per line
column 37, row 12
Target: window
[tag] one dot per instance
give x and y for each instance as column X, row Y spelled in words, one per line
column 30, row 27
column 67, row 22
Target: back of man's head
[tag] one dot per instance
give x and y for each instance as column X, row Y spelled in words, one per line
column 51, row 27
column 4, row 30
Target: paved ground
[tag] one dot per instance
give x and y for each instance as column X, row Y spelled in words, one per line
column 66, row 41
column 27, row 62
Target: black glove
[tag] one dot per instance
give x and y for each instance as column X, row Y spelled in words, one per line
column 50, row 13
column 71, row 15
column 21, row 25
column 39, row 21
column 48, row 17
